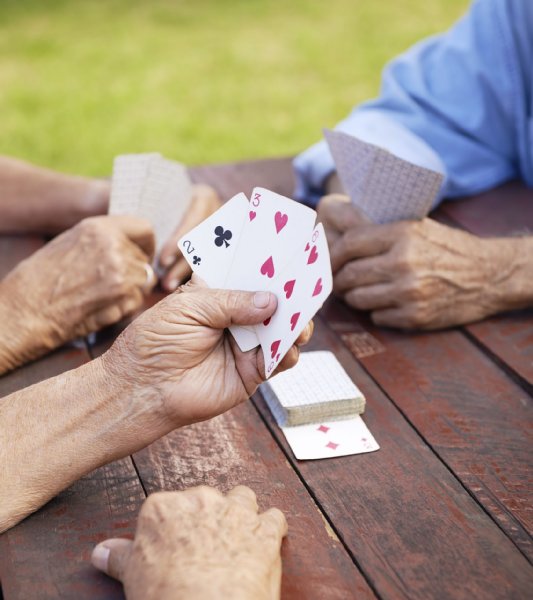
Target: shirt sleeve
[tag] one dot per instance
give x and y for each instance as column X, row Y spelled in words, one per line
column 448, row 104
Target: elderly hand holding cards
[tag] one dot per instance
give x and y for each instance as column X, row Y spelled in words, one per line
column 159, row 190
column 173, row 366
column 408, row 270
column 268, row 243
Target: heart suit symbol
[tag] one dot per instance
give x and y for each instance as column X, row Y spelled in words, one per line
column 266, row 321
column 313, row 255
column 267, row 268
column 252, row 214
column 294, row 320
column 289, row 287
column 318, row 287
column 280, row 220
column 274, row 348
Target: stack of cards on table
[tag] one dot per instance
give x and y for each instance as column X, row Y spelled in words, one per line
column 269, row 243
column 385, row 187
column 152, row 187
column 318, row 408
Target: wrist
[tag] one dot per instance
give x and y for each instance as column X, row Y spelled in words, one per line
column 95, row 199
column 69, row 199
column 218, row 582
column 511, row 266
column 143, row 416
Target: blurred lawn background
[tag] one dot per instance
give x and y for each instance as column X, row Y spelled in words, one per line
column 200, row 81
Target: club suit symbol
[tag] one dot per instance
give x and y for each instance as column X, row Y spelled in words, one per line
column 196, row 260
column 222, row 236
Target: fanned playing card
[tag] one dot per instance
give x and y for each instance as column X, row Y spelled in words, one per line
column 210, row 247
column 270, row 234
column 316, row 389
column 301, row 289
column 385, row 187
column 152, row 187
column 276, row 235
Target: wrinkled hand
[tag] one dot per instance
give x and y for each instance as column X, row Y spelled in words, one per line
column 180, row 349
column 84, row 279
column 411, row 274
column 199, row 544
column 204, row 202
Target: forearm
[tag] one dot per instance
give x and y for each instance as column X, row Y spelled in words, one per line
column 25, row 334
column 33, row 199
column 512, row 283
column 56, row 431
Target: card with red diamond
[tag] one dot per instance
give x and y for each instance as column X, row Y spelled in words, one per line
column 317, row 406
column 330, row 439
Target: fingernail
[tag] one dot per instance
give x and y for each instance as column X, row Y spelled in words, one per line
column 261, row 299
column 166, row 261
column 100, row 557
column 173, row 284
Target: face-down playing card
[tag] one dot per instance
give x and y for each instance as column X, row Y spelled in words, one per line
column 385, row 187
column 301, row 289
column 165, row 198
column 129, row 175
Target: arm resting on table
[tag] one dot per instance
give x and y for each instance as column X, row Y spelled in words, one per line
column 33, row 199
column 56, row 431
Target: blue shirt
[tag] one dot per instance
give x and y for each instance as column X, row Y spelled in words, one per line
column 460, row 103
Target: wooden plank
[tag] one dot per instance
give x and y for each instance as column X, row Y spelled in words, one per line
column 505, row 211
column 474, row 416
column 413, row 529
column 47, row 556
column 236, row 448
column 229, row 179
column 509, row 338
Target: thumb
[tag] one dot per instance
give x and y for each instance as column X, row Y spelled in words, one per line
column 112, row 556
column 219, row 309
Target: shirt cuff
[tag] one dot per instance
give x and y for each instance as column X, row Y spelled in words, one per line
column 315, row 165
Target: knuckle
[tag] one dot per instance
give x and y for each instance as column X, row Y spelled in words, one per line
column 153, row 502
column 357, row 299
column 206, row 492
column 417, row 317
column 206, row 495
column 92, row 232
column 412, row 290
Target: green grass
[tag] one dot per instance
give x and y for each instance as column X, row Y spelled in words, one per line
column 198, row 80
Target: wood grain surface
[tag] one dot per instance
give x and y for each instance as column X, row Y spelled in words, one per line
column 474, row 416
column 442, row 510
column 404, row 515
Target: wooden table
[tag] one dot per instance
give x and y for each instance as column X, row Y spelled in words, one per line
column 443, row 510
